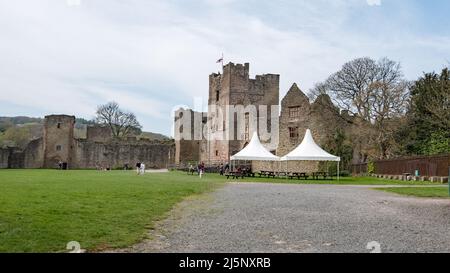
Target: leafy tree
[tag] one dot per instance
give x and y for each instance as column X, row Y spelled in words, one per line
column 427, row 131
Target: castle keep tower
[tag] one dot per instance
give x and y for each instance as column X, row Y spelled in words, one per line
column 235, row 88
column 58, row 140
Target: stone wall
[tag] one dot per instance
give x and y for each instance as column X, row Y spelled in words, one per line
column 16, row 159
column 4, row 158
column 98, row 133
column 322, row 117
column 97, row 151
column 31, row 157
column 115, row 154
column 188, row 132
column 34, row 154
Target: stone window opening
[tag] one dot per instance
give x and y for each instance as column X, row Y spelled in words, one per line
column 217, row 96
column 293, row 133
column 294, row 112
column 58, row 147
column 59, row 125
column 217, row 152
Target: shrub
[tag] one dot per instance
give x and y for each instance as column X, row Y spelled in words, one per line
column 371, row 168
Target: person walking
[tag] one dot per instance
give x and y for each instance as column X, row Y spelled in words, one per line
column 138, row 168
column 201, row 169
column 142, row 168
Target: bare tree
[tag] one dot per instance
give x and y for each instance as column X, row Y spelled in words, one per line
column 320, row 88
column 121, row 123
column 377, row 92
column 388, row 100
column 349, row 87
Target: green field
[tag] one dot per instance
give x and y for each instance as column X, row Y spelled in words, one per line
column 42, row 210
column 435, row 192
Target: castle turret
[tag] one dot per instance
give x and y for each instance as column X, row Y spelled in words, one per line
column 58, row 140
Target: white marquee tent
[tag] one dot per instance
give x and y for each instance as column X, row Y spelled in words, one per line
column 255, row 151
column 308, row 150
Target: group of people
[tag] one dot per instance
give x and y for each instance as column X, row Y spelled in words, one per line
column 200, row 169
column 223, row 169
column 140, row 168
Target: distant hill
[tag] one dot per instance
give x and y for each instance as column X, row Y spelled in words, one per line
column 21, row 120
column 153, row 136
column 7, row 122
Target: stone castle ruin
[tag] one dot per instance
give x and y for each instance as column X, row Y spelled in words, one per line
column 196, row 132
column 237, row 106
column 98, row 150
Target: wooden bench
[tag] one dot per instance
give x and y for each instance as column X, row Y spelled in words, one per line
column 266, row 174
column 298, row 176
column 317, row 175
column 235, row 175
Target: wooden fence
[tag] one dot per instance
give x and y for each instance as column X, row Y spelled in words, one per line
column 426, row 165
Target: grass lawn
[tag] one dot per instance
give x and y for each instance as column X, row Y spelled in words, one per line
column 42, row 210
column 438, row 192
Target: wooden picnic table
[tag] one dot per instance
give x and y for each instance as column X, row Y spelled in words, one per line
column 267, row 173
column 298, row 175
column 281, row 174
column 317, row 175
column 235, row 175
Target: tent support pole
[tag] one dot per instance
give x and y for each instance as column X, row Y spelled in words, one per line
column 287, row 168
column 338, row 171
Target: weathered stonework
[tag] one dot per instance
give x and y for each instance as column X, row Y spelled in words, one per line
column 4, row 157
column 115, row 154
column 98, row 133
column 58, row 140
column 233, row 87
column 97, row 150
column 297, row 115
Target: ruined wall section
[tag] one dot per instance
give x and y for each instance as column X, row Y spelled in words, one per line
column 98, row 133
column 297, row 115
column 117, row 154
column 4, row 158
column 188, row 135
column 34, row 154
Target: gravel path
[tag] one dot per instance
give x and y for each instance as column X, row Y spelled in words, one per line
column 302, row 218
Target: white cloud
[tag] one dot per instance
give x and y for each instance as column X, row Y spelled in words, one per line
column 374, row 2
column 150, row 55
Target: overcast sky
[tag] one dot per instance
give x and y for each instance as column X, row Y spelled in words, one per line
column 68, row 56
